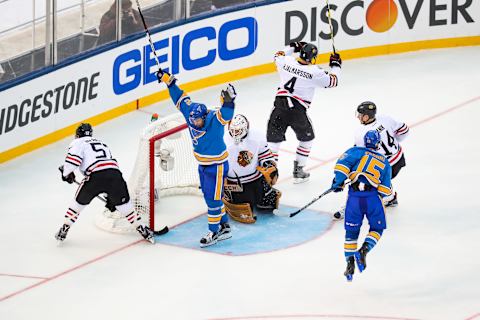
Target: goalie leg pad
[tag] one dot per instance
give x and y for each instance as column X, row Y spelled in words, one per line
column 241, row 212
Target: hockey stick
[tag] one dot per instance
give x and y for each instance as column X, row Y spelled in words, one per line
column 156, row 233
column 331, row 27
column 147, row 32
column 282, row 213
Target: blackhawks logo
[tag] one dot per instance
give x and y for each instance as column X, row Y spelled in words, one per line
column 244, row 158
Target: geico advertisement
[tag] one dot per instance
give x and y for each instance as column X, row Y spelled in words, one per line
column 358, row 23
column 71, row 94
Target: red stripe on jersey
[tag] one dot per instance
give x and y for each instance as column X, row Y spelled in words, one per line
column 404, row 129
column 103, row 166
column 285, row 93
column 74, row 160
column 395, row 158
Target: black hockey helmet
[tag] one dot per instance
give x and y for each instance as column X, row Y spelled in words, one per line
column 308, row 52
column 84, row 130
column 369, row 108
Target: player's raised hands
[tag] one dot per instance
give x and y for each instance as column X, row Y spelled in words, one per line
column 228, row 95
column 335, row 60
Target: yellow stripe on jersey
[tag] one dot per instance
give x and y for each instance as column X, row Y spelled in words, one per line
column 184, row 95
column 343, row 169
column 384, row 190
column 211, row 159
column 220, row 118
column 219, row 183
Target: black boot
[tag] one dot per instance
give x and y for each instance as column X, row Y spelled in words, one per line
column 298, row 174
column 62, row 233
column 350, row 268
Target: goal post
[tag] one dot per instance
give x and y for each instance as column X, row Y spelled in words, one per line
column 164, row 166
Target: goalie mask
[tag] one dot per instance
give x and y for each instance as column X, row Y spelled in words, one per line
column 238, row 128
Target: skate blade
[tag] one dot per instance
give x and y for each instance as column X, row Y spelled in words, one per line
column 300, row 180
column 224, row 237
column 59, row 243
column 204, row 245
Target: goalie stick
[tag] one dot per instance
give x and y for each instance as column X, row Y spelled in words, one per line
column 155, row 233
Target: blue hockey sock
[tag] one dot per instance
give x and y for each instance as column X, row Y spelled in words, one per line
column 372, row 238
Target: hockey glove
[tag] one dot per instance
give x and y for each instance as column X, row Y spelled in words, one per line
column 335, row 60
column 337, row 186
column 297, row 45
column 70, row 178
column 229, row 95
column 166, row 77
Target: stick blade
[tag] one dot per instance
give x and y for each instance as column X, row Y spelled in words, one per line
column 161, row 232
column 281, row 213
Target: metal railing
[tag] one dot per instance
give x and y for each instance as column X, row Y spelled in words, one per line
column 43, row 33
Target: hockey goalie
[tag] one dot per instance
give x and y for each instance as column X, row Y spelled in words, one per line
column 252, row 173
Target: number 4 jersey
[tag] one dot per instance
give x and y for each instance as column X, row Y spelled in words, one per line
column 298, row 81
column 89, row 155
column 391, row 133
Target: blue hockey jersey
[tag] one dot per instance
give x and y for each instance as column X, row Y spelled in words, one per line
column 208, row 145
column 365, row 166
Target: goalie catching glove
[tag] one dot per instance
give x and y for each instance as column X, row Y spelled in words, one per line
column 70, row 178
column 270, row 173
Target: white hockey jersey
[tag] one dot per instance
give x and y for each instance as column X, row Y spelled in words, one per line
column 243, row 158
column 299, row 81
column 391, row 133
column 88, row 155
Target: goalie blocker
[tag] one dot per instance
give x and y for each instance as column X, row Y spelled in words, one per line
column 252, row 173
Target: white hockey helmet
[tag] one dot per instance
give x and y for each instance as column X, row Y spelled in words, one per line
column 238, row 128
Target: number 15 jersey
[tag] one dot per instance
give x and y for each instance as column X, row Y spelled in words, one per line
column 298, row 81
column 391, row 133
column 89, row 155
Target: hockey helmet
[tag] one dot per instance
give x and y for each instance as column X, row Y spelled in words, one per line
column 367, row 107
column 238, row 128
column 372, row 139
column 197, row 111
column 84, row 130
column 308, row 52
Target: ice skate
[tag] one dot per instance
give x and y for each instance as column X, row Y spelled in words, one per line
column 350, row 268
column 62, row 233
column 299, row 175
column 340, row 214
column 225, row 232
column 210, row 239
column 361, row 257
column 146, row 233
column 393, row 202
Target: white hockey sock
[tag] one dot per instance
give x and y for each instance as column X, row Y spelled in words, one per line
column 128, row 211
column 73, row 212
column 274, row 147
column 303, row 151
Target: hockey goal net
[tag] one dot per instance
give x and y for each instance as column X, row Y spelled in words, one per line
column 165, row 166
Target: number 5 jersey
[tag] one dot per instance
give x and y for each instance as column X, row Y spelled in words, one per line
column 89, row 155
column 391, row 133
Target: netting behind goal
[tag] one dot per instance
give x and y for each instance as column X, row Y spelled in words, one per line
column 165, row 166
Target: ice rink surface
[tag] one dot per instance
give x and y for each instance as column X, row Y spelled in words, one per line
column 426, row 266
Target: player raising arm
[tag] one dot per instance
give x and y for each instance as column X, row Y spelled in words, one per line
column 299, row 78
column 252, row 172
column 206, row 131
column 370, row 174
column 102, row 175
